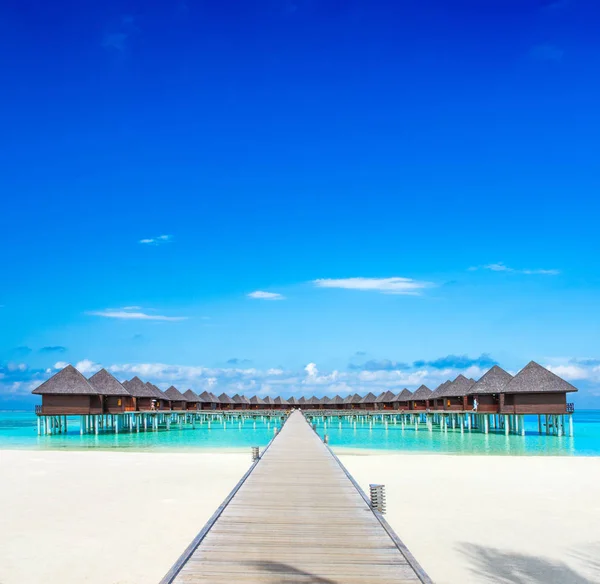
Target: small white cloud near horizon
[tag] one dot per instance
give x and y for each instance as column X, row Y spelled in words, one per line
column 394, row 285
column 84, row 367
column 261, row 295
column 157, row 240
column 501, row 267
column 129, row 315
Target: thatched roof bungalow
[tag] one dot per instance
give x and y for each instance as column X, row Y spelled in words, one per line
column 487, row 390
column 116, row 398
column 178, row 401
column 68, row 392
column 162, row 402
column 401, row 401
column 336, row 403
column 145, row 398
column 192, row 400
column 209, row 400
column 420, row 399
column 535, row 390
column 454, row 395
column 435, row 397
column 384, row 400
column 257, row 403
column 269, row 402
column 280, row 403
column 225, row 402
column 241, row 402
column 368, row 402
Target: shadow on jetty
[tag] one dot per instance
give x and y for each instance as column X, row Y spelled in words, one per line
column 290, row 575
column 503, row 567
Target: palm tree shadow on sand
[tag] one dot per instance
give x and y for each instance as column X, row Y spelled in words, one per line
column 288, row 574
column 504, row 567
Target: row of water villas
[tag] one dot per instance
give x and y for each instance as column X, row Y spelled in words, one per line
column 496, row 402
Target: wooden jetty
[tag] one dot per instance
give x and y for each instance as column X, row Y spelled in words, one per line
column 297, row 516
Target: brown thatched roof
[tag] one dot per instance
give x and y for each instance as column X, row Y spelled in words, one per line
column 369, row 399
column 240, row 399
column 209, row 398
column 157, row 393
column 458, row 388
column 174, row 394
column 534, row 378
column 257, row 401
column 293, row 401
column 336, row 401
column 67, row 381
column 313, row 401
column 492, row 382
column 356, row 399
column 325, row 400
column 404, row 396
column 422, row 393
column 302, row 400
column 281, row 401
column 137, row 388
column 106, row 384
column 437, row 392
column 385, row 397
column 348, row 399
column 191, row 397
column 269, row 401
column 225, row 399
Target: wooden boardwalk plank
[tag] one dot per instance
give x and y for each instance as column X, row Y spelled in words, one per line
column 297, row 517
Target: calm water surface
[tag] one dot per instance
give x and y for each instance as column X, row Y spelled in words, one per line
column 19, row 430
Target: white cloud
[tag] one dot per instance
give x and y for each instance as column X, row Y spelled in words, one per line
column 500, row 267
column 157, row 240
column 132, row 308
column 129, row 315
column 395, row 285
column 260, row 295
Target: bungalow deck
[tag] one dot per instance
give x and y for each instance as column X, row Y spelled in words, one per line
column 297, row 516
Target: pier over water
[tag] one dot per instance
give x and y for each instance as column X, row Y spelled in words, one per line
column 297, row 516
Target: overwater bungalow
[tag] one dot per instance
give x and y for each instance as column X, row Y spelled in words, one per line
column 145, row 400
column 420, row 399
column 116, row 398
column 225, row 402
column 436, row 401
column 192, row 400
column 178, row 401
column 368, row 402
column 269, row 402
column 68, row 392
column 401, row 401
column 326, row 403
column 347, row 405
column 384, row 401
column 209, row 400
column 313, row 403
column 257, row 403
column 356, row 401
column 302, row 402
column 162, row 402
column 280, row 403
column 487, row 391
column 293, row 402
column 535, row 390
column 454, row 395
column 241, row 402
column 336, row 403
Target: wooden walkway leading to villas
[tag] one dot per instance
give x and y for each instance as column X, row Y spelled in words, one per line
column 299, row 517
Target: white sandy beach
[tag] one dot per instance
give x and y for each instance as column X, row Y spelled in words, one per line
column 105, row 517
column 479, row 519
column 122, row 517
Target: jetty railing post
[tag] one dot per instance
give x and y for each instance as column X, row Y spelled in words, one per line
column 377, row 497
column 255, row 453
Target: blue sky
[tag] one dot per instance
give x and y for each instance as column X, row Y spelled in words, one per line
column 411, row 187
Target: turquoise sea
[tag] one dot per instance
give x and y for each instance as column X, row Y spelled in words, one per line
column 19, row 430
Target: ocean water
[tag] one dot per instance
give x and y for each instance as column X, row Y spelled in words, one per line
column 19, row 430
